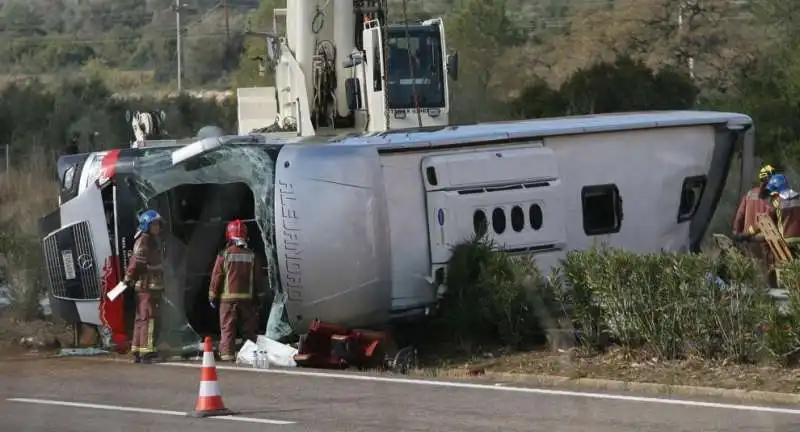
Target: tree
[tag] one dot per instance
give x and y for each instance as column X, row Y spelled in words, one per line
column 622, row 85
column 481, row 32
column 250, row 73
column 206, row 49
column 538, row 99
column 718, row 35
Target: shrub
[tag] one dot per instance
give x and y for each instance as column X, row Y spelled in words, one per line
column 488, row 298
column 667, row 304
column 27, row 192
column 782, row 330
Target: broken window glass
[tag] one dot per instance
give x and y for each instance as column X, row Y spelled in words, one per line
column 197, row 198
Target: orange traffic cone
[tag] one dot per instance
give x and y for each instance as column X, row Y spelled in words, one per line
column 209, row 401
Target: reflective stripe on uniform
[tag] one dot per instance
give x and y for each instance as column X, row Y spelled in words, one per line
column 239, row 257
column 229, row 258
column 151, row 286
column 151, row 327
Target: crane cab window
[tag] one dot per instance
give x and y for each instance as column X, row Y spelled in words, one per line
column 602, row 209
column 415, row 67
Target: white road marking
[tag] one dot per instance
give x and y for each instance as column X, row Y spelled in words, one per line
column 529, row 390
column 143, row 410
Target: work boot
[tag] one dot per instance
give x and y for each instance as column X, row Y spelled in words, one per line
column 151, row 358
column 137, row 358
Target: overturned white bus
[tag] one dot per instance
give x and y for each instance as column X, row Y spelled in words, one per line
column 357, row 230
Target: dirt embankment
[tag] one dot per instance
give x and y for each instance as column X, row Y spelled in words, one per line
column 32, row 337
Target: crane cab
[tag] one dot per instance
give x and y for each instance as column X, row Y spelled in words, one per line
column 405, row 69
column 340, row 68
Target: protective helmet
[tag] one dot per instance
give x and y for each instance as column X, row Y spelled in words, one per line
column 236, row 230
column 210, row 132
column 765, row 172
column 147, row 218
column 777, row 184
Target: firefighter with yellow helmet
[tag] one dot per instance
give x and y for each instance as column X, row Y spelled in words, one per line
column 752, row 204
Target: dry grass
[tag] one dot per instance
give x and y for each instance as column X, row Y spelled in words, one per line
column 27, row 192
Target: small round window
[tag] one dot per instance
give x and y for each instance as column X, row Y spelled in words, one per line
column 499, row 220
column 479, row 223
column 535, row 216
column 517, row 218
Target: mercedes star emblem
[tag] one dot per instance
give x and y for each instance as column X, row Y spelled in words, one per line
column 84, row 262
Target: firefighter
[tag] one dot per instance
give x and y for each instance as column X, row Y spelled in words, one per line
column 235, row 280
column 145, row 272
column 752, row 204
column 786, row 210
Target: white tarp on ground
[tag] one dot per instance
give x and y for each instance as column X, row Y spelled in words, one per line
column 276, row 353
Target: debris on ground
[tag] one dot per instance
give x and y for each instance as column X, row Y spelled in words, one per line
column 40, row 336
column 82, row 352
column 39, row 343
column 336, row 347
column 266, row 352
column 628, row 366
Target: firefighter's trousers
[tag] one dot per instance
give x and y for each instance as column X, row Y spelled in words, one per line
column 241, row 312
column 148, row 314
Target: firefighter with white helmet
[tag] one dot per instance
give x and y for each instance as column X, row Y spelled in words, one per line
column 146, row 273
column 786, row 210
column 235, row 282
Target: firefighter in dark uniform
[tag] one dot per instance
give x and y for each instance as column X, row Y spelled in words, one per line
column 752, row 204
column 786, row 211
column 146, row 274
column 756, row 202
column 235, row 281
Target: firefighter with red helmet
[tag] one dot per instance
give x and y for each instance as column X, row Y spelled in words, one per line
column 146, row 274
column 235, row 280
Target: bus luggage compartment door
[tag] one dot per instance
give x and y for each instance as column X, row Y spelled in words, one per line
column 511, row 193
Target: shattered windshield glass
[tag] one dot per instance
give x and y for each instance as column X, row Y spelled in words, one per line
column 197, row 198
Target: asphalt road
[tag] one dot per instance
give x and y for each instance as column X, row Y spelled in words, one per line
column 41, row 388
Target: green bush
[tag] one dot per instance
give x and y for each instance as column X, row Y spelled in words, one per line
column 27, row 191
column 667, row 303
column 32, row 115
column 488, row 298
column 782, row 330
